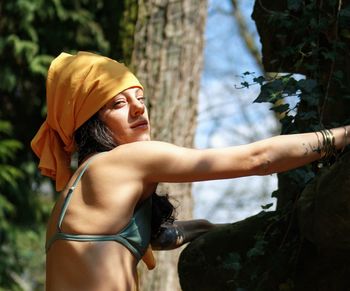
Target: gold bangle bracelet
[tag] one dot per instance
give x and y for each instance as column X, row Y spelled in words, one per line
column 328, row 145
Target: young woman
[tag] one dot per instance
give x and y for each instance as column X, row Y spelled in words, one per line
column 101, row 224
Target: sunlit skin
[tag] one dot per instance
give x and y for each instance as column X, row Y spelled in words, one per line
column 126, row 116
column 116, row 181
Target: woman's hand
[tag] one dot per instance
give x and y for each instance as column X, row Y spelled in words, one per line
column 180, row 232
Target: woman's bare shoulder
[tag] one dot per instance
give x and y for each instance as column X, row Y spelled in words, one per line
column 110, row 174
column 144, row 152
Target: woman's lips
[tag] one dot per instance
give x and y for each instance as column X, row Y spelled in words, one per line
column 142, row 124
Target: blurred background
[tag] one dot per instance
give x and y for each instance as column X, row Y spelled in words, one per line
column 227, row 115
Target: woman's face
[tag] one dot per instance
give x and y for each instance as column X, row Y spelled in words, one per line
column 126, row 116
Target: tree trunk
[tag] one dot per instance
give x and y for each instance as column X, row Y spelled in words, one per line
column 167, row 57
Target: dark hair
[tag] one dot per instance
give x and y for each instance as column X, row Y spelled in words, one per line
column 163, row 211
column 94, row 137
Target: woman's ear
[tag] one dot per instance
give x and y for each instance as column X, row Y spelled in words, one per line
column 149, row 259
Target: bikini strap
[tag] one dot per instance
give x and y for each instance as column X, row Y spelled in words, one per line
column 69, row 195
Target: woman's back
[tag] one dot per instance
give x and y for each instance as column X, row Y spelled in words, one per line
column 102, row 203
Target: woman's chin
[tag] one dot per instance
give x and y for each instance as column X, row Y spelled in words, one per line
column 145, row 137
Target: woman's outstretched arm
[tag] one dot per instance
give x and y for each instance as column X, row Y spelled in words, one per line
column 163, row 162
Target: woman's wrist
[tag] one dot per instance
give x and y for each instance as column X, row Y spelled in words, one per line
column 330, row 142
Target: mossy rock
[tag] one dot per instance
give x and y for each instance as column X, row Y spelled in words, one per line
column 324, row 207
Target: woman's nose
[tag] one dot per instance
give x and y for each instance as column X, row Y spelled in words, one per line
column 137, row 107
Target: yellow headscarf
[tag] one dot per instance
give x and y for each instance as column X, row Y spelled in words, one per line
column 77, row 86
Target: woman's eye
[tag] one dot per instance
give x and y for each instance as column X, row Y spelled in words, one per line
column 142, row 99
column 119, row 103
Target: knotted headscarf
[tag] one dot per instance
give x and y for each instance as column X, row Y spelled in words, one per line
column 77, row 86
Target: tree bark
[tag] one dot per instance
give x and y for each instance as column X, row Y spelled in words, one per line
column 167, row 58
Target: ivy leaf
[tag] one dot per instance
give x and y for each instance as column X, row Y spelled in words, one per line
column 258, row 249
column 294, row 4
column 310, row 99
column 308, row 115
column 345, row 32
column 339, row 75
column 287, row 120
column 262, row 97
column 232, row 261
column 260, row 80
column 245, row 84
column 267, row 206
column 276, row 85
column 280, row 108
column 344, row 17
column 307, row 85
column 329, row 55
column 275, row 194
column 268, row 96
column 302, row 176
column 290, row 85
column 270, row 92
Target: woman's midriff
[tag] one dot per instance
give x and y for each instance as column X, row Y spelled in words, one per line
column 90, row 266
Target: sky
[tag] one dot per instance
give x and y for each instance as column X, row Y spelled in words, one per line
column 227, row 116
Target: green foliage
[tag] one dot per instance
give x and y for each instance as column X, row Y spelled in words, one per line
column 21, row 244
column 32, row 33
column 9, row 174
column 258, row 249
column 313, row 38
column 232, row 261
